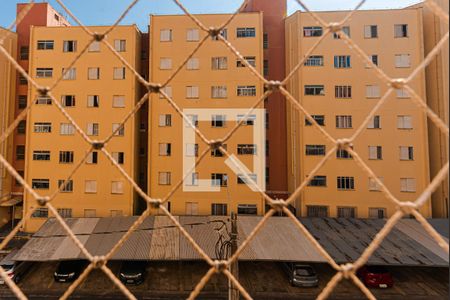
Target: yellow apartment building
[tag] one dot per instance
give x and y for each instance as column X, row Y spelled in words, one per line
column 97, row 92
column 214, row 89
column 7, row 100
column 340, row 90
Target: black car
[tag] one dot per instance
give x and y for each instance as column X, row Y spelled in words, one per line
column 68, row 271
column 132, row 272
column 301, row 275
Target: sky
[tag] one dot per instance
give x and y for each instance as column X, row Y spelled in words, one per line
column 104, row 12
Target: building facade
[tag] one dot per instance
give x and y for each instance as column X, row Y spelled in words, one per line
column 340, row 90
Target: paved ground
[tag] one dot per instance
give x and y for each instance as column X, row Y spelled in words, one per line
column 263, row 280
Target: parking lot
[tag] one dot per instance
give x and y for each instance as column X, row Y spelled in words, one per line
column 264, row 280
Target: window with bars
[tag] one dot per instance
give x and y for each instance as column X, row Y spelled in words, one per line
column 246, row 91
column 318, row 181
column 315, row 150
column 41, row 212
column 218, row 121
column 312, row 31
column 119, row 73
column 66, row 157
column 40, row 184
column 371, row 31
column 250, row 59
column 90, row 186
column 343, row 91
column 245, row 32
column 219, row 63
column 193, row 35
column 401, row 30
column 314, row 90
column 315, row 61
column 247, row 209
column 70, row 46
column 408, row 185
column 375, row 152
column 42, row 127
column 404, row 122
column 219, row 209
column 219, row 92
column 46, row 45
column 317, row 211
column 346, row 212
column 320, row 119
column 344, row 122
column 219, row 179
column 68, row 100
column 342, row 61
column 374, row 123
column 164, row 178
column 67, row 129
column 165, row 149
column 406, row 153
column 44, row 72
column 65, row 186
column 246, row 149
column 165, row 120
column 119, row 157
column 377, row 213
column 41, row 155
column 345, row 183
column 120, row 45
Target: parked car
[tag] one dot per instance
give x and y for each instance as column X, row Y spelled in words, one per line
column 16, row 270
column 301, row 275
column 132, row 272
column 69, row 270
column 376, row 277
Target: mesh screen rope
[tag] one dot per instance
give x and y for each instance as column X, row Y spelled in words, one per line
column 346, row 271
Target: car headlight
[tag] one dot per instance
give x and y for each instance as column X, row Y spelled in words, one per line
column 72, row 274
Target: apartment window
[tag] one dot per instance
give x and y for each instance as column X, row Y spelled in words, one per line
column 315, row 150
column 343, row 154
column 345, row 183
column 218, row 179
column 320, row 119
column 401, row 30
column 166, row 35
column 165, row 120
column 315, row 211
column 266, row 41
column 90, row 213
column 93, row 101
column 246, row 120
column 165, row 149
column 342, row 61
column 245, row 32
column 44, row 72
column 312, row 31
column 69, row 74
column 45, row 45
column 66, row 157
column 40, row 212
column 404, row 122
column 266, row 67
column 22, row 175
column 318, row 181
column 191, row 208
column 94, row 47
column 120, row 45
column 192, row 150
column 93, row 73
column 373, row 184
column 217, row 152
column 119, row 157
column 67, row 129
column 93, row 129
column 402, row 61
column 164, row 178
column 246, row 149
column 192, row 92
column 374, row 123
column 346, row 212
column 247, row 209
column 192, row 180
column 314, row 90
column 193, row 64
column 90, row 186
column 218, row 121
column 68, row 100
column 22, row 127
column 193, row 35
column 219, row 209
column 44, row 101
column 92, row 158
column 193, row 120
column 406, row 153
column 377, row 213
column 345, row 30
column 375, row 152
column 43, row 127
column 40, row 184
column 70, row 46
column 168, row 90
column 403, row 93
column 344, row 122
column 315, row 61
column 343, row 91
column 246, row 91
column 219, row 92
column 219, row 63
column 373, row 91
column 116, row 213
column 408, row 185
column 118, row 101
column 23, row 101
column 223, row 33
column 119, row 73
column 20, row 152
column 241, row 179
column 24, row 52
column 371, row 31
column 117, row 187
column 65, row 186
column 250, row 59
column 118, row 129
column 23, row 80
column 375, row 60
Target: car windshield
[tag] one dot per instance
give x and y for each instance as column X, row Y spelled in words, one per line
column 134, row 267
column 377, row 270
column 7, row 267
column 304, row 271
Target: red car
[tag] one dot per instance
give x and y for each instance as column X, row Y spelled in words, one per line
column 376, row 277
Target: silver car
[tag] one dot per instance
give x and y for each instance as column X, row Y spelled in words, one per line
column 301, row 275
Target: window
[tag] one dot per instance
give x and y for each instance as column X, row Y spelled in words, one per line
column 117, row 187
column 65, row 186
column 266, row 67
column 373, row 91
column 43, row 127
column 120, row 45
column 315, row 150
column 312, row 31
column 315, row 211
column 166, row 35
column 90, row 186
column 40, row 184
column 118, row 101
column 219, row 63
column 23, row 80
column 164, row 178
column 401, row 30
column 193, row 120
column 218, row 121
column 374, row 123
column 165, row 149
column 315, row 61
column 165, row 120
column 192, row 150
column 342, row 62
column 20, row 152
column 92, row 158
column 223, row 33
column 346, row 212
column 219, row 92
column 24, row 52
column 402, row 93
column 69, row 74
column 343, row 154
column 375, row 152
column 40, row 212
column 406, row 153
column 373, row 184
column 22, row 175
column 93, row 129
column 93, row 73
column 247, row 121
column 119, row 157
column 402, row 61
column 247, row 209
column 192, row 180
column 193, row 64
column 266, row 41
column 314, row 90
column 343, row 91
column 119, row 73
column 191, row 208
column 374, row 59
column 246, row 149
column 44, row 72
column 250, row 59
column 118, row 129
column 67, row 129
column 219, row 209
column 377, row 213
column 408, row 185
column 68, row 100
column 43, row 101
column 66, row 157
column 90, row 213
column 45, row 45
column 93, row 101
column 192, row 92
column 116, row 213
column 345, row 183
column 217, row 152
column 246, row 91
column 165, row 64
column 193, row 35
column 320, row 119
column 344, row 122
column 318, row 181
column 22, row 127
column 70, row 46
column 345, row 30
column 218, row 179
column 241, row 179
column 23, row 101
column 371, row 31
column 245, row 32
column 94, row 47
column 404, row 122
column 167, row 90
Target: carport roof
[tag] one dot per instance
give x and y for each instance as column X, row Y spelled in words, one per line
column 278, row 240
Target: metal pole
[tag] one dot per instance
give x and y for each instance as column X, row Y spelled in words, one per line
column 234, row 267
